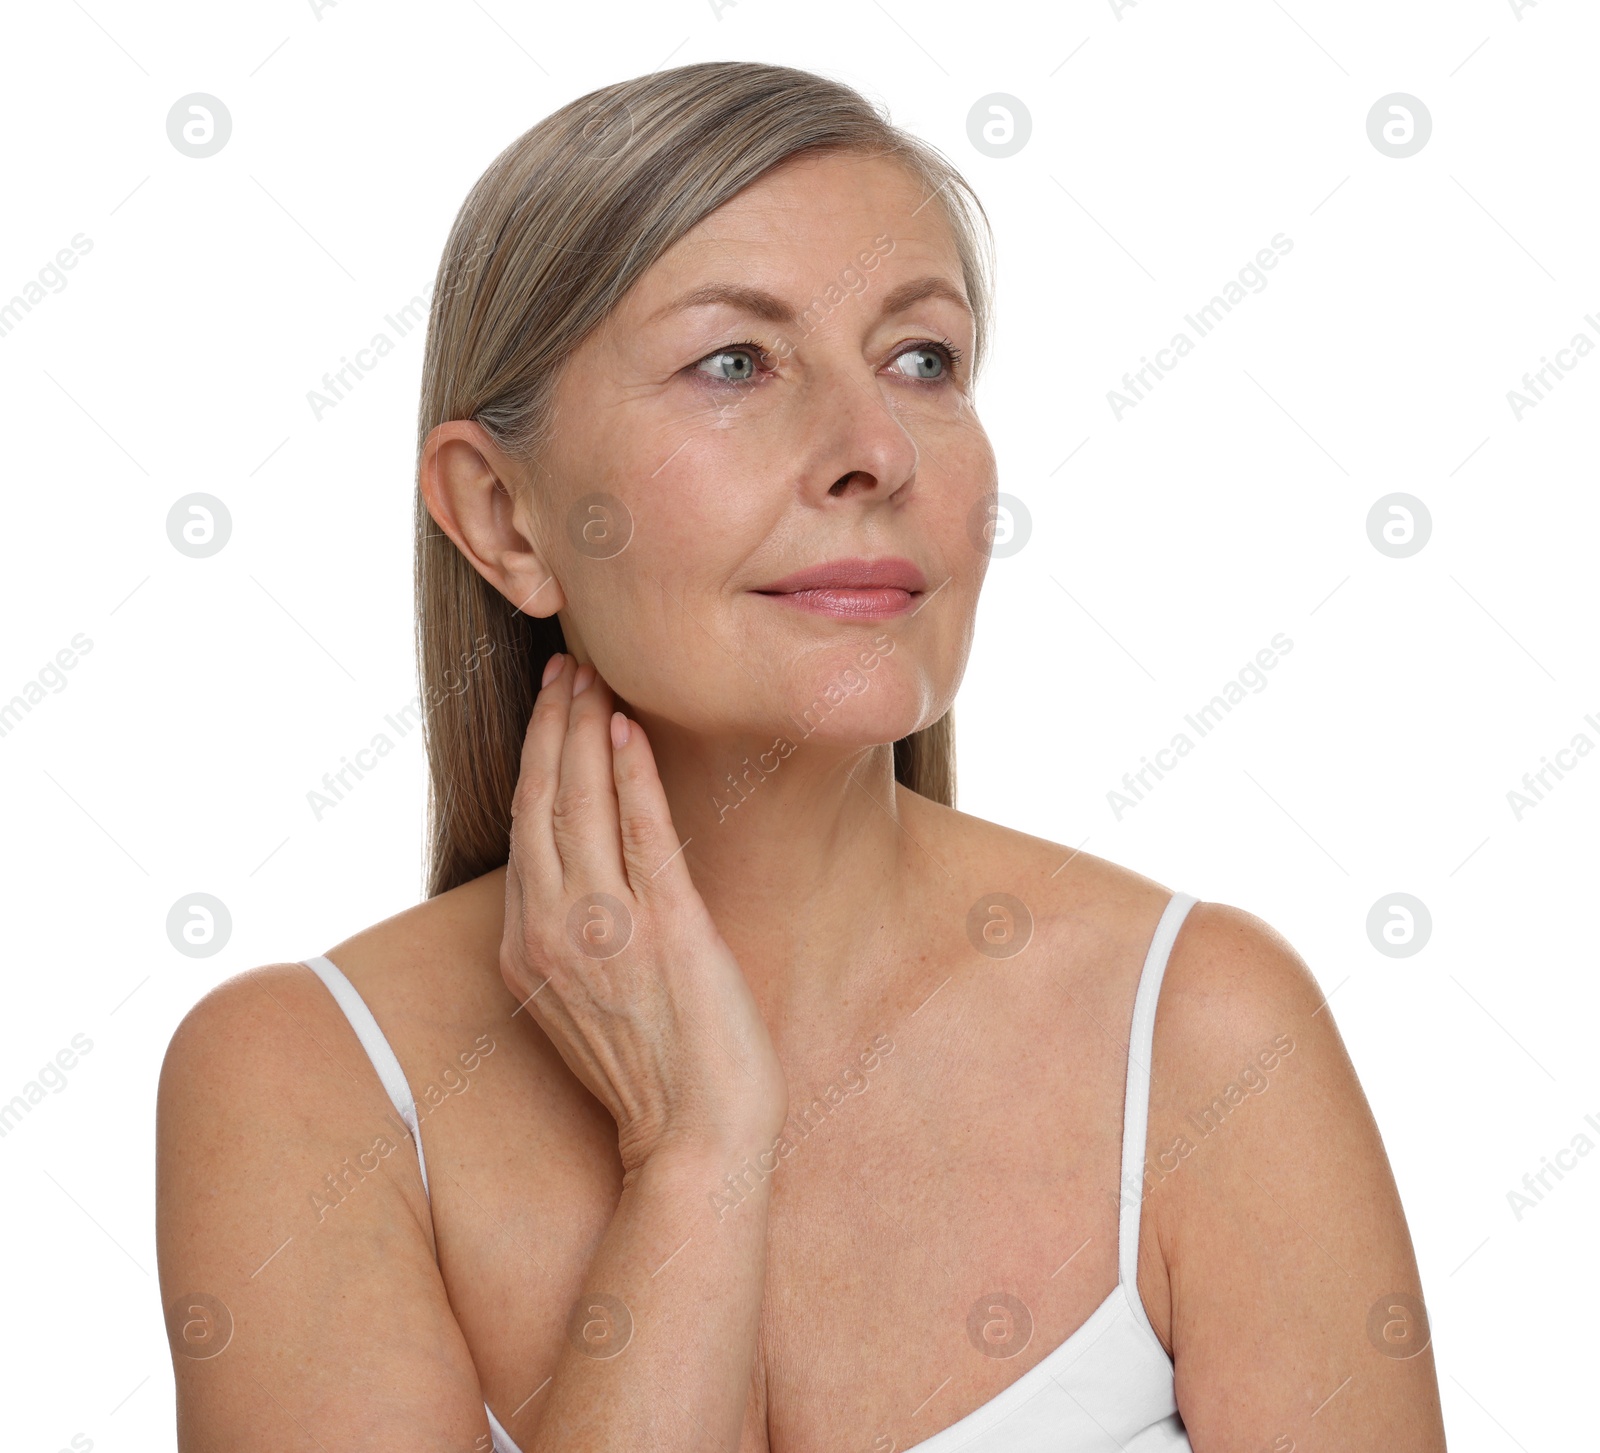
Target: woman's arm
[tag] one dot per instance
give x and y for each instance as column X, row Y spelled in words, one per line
column 302, row 1316
column 1296, row 1305
column 690, row 1298
column 611, row 949
column 299, row 1313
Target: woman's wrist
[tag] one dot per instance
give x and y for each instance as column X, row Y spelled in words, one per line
column 702, row 1158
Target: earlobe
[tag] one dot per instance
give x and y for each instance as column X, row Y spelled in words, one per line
column 469, row 488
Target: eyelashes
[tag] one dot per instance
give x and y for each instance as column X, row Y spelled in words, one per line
column 942, row 347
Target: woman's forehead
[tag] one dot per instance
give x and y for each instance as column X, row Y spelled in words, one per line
column 815, row 199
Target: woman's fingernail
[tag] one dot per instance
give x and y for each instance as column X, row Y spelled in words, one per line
column 619, row 730
column 552, row 669
column 580, row 682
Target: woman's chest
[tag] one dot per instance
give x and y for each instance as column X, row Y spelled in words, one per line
column 917, row 1266
column 941, row 1215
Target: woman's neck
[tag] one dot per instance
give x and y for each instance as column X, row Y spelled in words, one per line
column 801, row 855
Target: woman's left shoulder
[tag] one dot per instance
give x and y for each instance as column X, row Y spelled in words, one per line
column 1230, row 974
column 1240, row 1013
column 1273, row 1201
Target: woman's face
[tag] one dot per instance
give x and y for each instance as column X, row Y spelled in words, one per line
column 774, row 394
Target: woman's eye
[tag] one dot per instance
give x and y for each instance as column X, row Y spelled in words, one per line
column 737, row 364
column 741, row 363
column 928, row 361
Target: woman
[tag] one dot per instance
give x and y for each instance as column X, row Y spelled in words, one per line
column 731, row 1089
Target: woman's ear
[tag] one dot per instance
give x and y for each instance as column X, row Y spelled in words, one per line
column 471, row 491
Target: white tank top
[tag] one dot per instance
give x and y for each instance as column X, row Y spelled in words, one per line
column 1109, row 1384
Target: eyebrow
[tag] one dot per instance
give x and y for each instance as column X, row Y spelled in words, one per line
column 772, row 308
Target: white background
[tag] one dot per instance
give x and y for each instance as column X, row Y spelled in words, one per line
column 1169, row 144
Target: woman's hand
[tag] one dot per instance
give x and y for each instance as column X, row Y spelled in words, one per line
column 611, row 947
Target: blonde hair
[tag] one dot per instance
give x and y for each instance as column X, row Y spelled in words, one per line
column 557, row 229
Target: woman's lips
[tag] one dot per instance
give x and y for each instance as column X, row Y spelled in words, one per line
column 854, row 603
column 854, row 588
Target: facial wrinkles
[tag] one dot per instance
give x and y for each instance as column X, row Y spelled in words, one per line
column 708, row 472
column 802, row 405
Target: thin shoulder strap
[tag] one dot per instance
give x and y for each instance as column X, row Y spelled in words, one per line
column 1136, row 1101
column 377, row 1048
column 387, row 1065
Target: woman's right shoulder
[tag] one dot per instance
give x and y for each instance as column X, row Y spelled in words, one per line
column 255, row 1035
column 289, row 1203
column 273, row 1042
column 425, row 957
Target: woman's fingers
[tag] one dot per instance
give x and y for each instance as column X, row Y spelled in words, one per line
column 583, row 811
column 656, row 869
column 533, row 843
